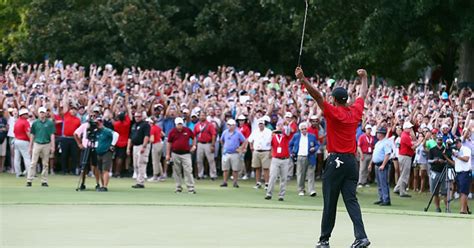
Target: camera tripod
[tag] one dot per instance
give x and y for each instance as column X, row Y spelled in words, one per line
column 446, row 176
column 84, row 159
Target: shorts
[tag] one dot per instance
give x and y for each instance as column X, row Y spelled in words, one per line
column 104, row 162
column 434, row 177
column 231, row 161
column 91, row 160
column 121, row 152
column 261, row 160
column 464, row 180
column 422, row 166
column 3, row 148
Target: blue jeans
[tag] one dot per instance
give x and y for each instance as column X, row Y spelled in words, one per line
column 382, row 181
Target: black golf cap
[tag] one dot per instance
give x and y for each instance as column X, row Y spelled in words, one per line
column 382, row 130
column 340, row 94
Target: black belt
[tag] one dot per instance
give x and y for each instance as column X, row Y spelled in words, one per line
column 181, row 152
column 282, row 158
column 42, row 143
column 378, row 164
column 368, row 153
column 204, row 142
column 262, row 150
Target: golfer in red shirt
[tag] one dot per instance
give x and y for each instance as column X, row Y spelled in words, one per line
column 340, row 174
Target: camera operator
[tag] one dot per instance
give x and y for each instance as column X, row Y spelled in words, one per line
column 437, row 161
column 139, row 139
column 106, row 140
column 83, row 136
column 462, row 165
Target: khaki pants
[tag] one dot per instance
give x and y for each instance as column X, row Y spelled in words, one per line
column 140, row 160
column 22, row 150
column 364, row 168
column 182, row 165
column 278, row 168
column 303, row 171
column 205, row 150
column 156, row 152
column 39, row 151
column 405, row 167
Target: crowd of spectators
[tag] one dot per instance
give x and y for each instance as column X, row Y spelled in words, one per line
column 73, row 94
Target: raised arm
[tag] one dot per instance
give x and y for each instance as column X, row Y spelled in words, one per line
column 313, row 91
column 363, row 87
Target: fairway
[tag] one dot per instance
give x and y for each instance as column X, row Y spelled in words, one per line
column 156, row 217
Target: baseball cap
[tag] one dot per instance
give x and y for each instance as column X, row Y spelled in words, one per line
column 42, row 110
column 185, row 111
column 449, row 141
column 266, row 118
column 99, row 118
column 444, row 126
column 231, row 122
column 194, row 114
column 407, row 125
column 368, row 126
column 261, row 121
column 179, row 121
column 96, row 109
column 439, row 137
column 457, row 140
column 444, row 95
column 382, row 130
column 23, row 111
column 340, row 94
column 313, row 117
column 241, row 117
column 288, row 115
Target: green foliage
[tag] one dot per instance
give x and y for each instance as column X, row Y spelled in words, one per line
column 396, row 39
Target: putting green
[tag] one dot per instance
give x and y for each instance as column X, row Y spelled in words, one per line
column 215, row 217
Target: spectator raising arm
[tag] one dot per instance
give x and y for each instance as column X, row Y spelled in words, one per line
column 312, row 90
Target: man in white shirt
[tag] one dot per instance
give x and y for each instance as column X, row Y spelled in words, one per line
column 260, row 143
column 462, row 165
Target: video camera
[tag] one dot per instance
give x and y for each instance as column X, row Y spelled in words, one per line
column 92, row 130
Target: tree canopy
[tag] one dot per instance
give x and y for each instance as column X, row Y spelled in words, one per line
column 394, row 39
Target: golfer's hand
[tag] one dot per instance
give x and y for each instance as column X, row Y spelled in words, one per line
column 299, row 73
column 362, row 73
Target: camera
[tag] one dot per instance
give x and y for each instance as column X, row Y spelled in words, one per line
column 92, row 131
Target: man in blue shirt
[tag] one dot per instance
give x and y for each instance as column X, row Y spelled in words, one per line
column 234, row 144
column 381, row 158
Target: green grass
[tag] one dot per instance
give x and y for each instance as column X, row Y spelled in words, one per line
column 59, row 216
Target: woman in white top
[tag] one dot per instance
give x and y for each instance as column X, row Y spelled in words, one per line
column 395, row 140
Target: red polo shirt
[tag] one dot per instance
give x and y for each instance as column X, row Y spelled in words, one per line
column 123, row 129
column 342, row 124
column 204, row 131
column 366, row 143
column 314, row 131
column 59, row 125
column 21, row 129
column 156, row 132
column 405, row 145
column 293, row 129
column 180, row 140
column 71, row 123
column 245, row 130
column 280, row 146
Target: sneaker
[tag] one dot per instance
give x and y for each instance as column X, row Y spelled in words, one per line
column 257, row 186
column 146, row 177
column 245, row 177
column 312, row 194
column 367, row 185
column 224, row 184
column 28, row 184
column 360, row 243
column 406, row 196
column 138, row 186
column 469, row 196
column 456, row 195
column 82, row 187
column 162, row 178
column 134, row 175
column 103, row 189
column 323, row 244
column 438, row 210
column 385, row 204
column 231, row 177
column 268, row 197
column 281, row 199
column 235, row 185
column 266, row 186
column 252, row 174
column 359, row 186
column 44, row 185
column 97, row 187
column 178, row 190
column 154, row 179
column 301, row 193
column 377, row 202
column 192, row 191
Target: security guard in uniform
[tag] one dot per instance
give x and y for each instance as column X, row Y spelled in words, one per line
column 340, row 174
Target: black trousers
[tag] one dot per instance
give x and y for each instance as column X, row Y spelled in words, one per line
column 340, row 179
column 69, row 149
